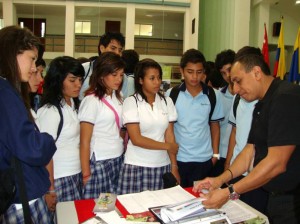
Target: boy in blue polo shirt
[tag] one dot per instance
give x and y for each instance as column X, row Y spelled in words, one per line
column 197, row 131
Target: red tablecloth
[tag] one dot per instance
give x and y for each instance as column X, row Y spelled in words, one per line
column 84, row 208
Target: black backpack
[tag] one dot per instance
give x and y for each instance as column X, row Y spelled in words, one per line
column 235, row 104
column 210, row 94
column 61, row 122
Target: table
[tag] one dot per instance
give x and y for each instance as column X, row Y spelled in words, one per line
column 80, row 210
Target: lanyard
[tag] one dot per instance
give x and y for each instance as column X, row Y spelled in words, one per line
column 113, row 110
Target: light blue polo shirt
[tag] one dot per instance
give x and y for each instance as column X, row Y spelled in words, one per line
column 242, row 122
column 225, row 128
column 192, row 130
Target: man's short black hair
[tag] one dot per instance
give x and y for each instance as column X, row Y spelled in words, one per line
column 193, row 56
column 248, row 50
column 248, row 61
column 106, row 38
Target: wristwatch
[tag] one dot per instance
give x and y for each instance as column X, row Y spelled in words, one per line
column 216, row 156
column 233, row 195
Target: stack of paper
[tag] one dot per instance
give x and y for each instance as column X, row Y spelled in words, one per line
column 177, row 211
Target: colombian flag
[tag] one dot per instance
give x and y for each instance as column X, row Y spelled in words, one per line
column 279, row 68
column 265, row 48
column 295, row 66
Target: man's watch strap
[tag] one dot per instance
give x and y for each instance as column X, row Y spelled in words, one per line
column 233, row 195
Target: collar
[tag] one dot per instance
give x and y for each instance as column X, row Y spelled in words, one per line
column 224, row 89
column 275, row 83
column 205, row 89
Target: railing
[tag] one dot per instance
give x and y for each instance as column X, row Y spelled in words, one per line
column 89, row 44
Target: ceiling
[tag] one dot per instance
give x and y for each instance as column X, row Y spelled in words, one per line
column 287, row 7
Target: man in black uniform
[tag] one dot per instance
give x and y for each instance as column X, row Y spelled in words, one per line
column 274, row 143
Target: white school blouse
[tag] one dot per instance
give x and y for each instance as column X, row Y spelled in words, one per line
column 106, row 142
column 66, row 160
column 153, row 123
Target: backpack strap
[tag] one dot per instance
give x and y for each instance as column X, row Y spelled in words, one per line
column 87, row 73
column 235, row 104
column 22, row 190
column 175, row 92
column 61, row 122
column 206, row 90
column 212, row 99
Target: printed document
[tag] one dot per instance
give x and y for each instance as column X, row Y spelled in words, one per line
column 140, row 202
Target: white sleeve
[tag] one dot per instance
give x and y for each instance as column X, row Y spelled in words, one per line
column 88, row 109
column 171, row 110
column 130, row 112
column 48, row 119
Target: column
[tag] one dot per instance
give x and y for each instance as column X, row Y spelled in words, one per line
column 70, row 29
column 130, row 22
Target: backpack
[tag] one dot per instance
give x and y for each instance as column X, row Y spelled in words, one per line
column 235, row 104
column 61, row 122
column 210, row 94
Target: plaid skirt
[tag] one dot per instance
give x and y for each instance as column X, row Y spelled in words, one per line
column 104, row 177
column 39, row 214
column 135, row 179
column 68, row 188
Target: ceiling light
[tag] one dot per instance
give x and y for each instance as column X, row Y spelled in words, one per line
column 297, row 2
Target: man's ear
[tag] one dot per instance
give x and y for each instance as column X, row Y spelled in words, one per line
column 102, row 48
column 257, row 72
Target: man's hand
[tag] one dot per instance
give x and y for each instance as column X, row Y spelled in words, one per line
column 215, row 198
column 208, row 183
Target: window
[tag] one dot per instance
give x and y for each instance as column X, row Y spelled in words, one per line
column 83, row 27
column 143, row 30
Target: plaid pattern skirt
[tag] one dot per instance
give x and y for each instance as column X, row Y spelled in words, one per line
column 39, row 214
column 68, row 188
column 104, row 177
column 135, row 179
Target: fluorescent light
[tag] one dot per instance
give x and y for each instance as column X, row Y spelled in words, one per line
column 297, row 2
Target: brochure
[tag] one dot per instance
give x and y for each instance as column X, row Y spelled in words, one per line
column 105, row 203
column 146, row 216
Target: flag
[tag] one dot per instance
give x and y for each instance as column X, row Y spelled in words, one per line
column 295, row 66
column 279, row 68
column 265, row 48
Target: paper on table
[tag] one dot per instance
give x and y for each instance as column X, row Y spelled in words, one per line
column 110, row 217
column 178, row 211
column 140, row 202
column 236, row 212
column 113, row 218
